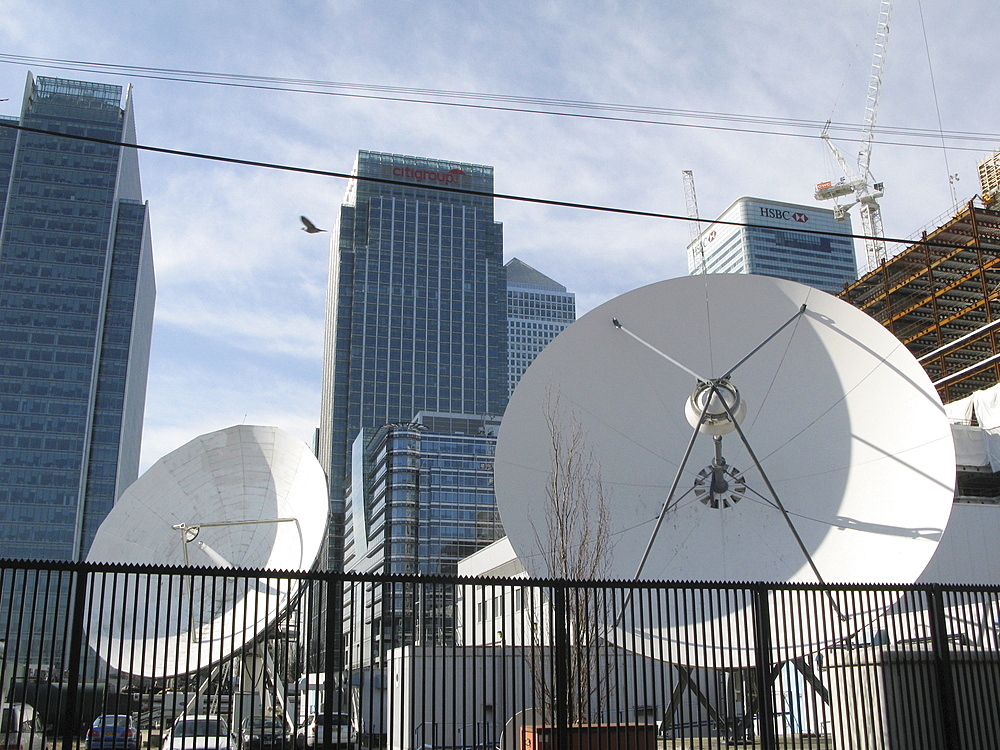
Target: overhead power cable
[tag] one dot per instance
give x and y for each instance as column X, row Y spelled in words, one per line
column 573, row 108
column 451, row 189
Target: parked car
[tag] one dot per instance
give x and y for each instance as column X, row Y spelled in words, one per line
column 21, row 727
column 264, row 733
column 114, row 732
column 202, row 732
column 313, row 733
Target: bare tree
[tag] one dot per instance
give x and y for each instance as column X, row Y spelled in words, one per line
column 575, row 542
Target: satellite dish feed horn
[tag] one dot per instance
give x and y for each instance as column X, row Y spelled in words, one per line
column 716, row 408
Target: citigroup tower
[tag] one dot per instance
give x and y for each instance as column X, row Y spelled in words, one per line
column 416, row 308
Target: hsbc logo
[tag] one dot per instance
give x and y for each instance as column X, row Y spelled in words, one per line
column 785, row 215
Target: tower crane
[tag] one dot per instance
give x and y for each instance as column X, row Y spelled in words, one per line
column 696, row 262
column 861, row 184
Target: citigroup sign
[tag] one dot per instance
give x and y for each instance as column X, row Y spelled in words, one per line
column 451, row 177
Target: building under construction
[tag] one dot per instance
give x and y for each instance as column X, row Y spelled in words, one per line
column 941, row 298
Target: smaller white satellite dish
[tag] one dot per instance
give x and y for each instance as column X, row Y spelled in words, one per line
column 244, row 497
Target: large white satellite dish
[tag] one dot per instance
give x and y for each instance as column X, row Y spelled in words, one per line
column 747, row 429
column 244, row 497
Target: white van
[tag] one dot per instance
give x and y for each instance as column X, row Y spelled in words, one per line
column 21, row 726
column 202, row 732
column 313, row 734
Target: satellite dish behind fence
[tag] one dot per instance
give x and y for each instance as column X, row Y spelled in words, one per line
column 746, row 429
column 243, row 497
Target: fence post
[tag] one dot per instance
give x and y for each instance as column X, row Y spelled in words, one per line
column 562, row 657
column 79, row 593
column 331, row 659
column 762, row 671
column 942, row 666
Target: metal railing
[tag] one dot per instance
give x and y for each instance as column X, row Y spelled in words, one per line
column 455, row 663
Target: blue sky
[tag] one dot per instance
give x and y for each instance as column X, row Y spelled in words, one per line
column 239, row 319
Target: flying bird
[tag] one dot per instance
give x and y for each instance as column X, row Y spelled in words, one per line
column 309, row 227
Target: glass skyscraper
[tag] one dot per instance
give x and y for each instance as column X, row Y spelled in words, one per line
column 425, row 494
column 76, row 312
column 421, row 499
column 416, row 312
column 786, row 240
column 538, row 308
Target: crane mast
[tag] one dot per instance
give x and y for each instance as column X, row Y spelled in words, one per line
column 696, row 260
column 865, row 190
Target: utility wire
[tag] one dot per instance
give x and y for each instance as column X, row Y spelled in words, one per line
column 937, row 106
column 533, row 105
column 448, row 189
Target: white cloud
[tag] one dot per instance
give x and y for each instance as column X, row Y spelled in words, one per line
column 241, row 290
column 191, row 395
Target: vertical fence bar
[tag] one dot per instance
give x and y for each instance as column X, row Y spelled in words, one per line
column 330, row 660
column 979, row 664
column 561, row 658
column 942, row 667
column 762, row 648
column 910, row 669
column 627, row 693
column 964, row 663
column 79, row 594
column 741, row 727
column 352, row 629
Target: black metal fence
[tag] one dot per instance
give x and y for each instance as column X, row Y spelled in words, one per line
column 453, row 663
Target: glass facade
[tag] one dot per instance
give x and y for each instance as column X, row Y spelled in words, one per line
column 785, row 240
column 429, row 496
column 76, row 311
column 416, row 312
column 538, row 308
column 420, row 499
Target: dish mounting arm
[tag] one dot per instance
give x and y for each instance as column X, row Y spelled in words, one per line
column 189, row 533
column 718, row 389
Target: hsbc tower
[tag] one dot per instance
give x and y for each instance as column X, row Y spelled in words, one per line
column 786, row 240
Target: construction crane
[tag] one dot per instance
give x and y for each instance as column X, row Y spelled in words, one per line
column 696, row 261
column 861, row 184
